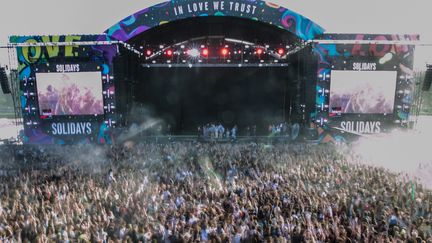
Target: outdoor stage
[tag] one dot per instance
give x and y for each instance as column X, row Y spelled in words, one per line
column 185, row 64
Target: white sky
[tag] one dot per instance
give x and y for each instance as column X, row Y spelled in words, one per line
column 36, row 17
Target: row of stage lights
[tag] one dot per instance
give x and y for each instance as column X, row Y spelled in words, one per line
column 204, row 52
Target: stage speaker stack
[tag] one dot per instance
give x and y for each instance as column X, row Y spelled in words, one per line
column 121, row 84
column 428, row 79
column 4, row 82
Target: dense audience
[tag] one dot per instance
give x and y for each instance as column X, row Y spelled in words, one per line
column 187, row 192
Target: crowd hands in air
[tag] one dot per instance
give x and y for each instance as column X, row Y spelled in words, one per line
column 186, row 192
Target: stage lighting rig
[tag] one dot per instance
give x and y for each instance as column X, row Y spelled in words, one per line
column 205, row 52
column 217, row 51
column 259, row 51
column 194, row 53
column 224, row 51
column 281, row 51
column 169, row 53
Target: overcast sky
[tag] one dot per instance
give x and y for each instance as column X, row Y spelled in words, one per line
column 36, row 17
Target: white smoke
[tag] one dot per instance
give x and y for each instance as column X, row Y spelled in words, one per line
column 401, row 151
column 135, row 130
column 152, row 124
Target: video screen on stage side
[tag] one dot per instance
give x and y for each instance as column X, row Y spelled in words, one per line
column 367, row 92
column 70, row 93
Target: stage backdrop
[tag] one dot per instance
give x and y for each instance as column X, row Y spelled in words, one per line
column 67, row 92
column 59, row 89
column 363, row 88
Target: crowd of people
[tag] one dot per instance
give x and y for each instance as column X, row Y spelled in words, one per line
column 192, row 192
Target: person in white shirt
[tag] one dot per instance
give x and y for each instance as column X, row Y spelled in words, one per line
column 234, row 132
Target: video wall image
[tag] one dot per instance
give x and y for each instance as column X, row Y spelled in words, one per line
column 77, row 93
column 366, row 92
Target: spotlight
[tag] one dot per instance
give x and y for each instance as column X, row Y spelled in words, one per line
column 149, row 52
column 280, row 51
column 224, row 51
column 259, row 51
column 193, row 52
column 205, row 52
column 169, row 53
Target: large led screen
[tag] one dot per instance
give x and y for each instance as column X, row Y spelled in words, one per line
column 368, row 92
column 70, row 93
